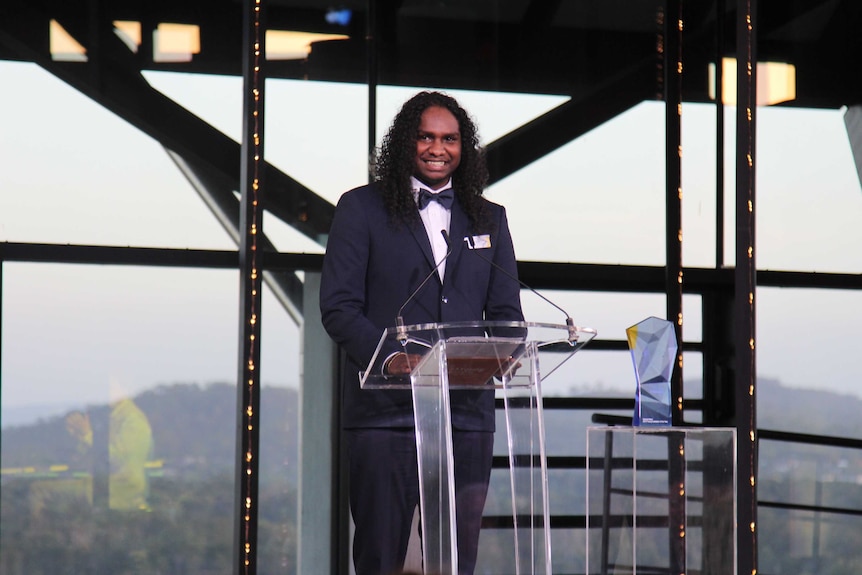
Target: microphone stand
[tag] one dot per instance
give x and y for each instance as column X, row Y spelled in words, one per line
column 570, row 323
column 400, row 328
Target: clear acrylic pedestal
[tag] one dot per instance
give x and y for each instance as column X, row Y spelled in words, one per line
column 661, row 500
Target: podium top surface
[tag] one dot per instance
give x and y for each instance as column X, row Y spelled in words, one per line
column 475, row 346
column 542, row 333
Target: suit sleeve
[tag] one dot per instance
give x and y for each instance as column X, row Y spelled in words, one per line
column 343, row 281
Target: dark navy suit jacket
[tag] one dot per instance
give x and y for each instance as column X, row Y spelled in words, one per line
column 371, row 268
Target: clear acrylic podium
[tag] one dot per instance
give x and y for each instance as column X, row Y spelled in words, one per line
column 501, row 356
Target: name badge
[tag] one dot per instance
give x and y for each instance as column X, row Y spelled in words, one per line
column 478, row 242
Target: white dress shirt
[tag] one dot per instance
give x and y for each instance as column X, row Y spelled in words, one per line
column 436, row 218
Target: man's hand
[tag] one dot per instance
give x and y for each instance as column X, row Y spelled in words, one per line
column 401, row 363
column 509, row 363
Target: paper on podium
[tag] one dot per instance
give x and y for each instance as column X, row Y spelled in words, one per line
column 473, row 361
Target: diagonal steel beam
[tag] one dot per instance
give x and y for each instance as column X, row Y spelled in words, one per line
column 115, row 82
column 217, row 194
column 570, row 120
column 853, row 125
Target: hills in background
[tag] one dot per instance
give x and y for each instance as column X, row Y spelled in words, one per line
column 194, row 426
column 193, row 430
column 187, row 524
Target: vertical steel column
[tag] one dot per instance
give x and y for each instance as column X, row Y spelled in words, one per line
column 718, row 354
column 251, row 275
column 745, row 282
column 717, row 308
column 719, row 134
column 97, row 28
column 372, row 28
column 672, row 63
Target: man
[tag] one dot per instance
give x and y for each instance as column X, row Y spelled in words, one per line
column 385, row 240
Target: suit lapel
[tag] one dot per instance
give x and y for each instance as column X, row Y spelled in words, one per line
column 421, row 237
column 458, row 228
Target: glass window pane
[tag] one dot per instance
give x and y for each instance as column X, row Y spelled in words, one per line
column 577, row 205
column 809, row 200
column 119, row 411
column 809, row 500
column 278, row 475
column 806, row 357
column 73, row 172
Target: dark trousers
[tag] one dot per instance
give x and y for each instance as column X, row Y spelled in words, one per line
column 384, row 492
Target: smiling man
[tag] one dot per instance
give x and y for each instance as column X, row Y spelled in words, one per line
column 385, row 239
column 438, row 147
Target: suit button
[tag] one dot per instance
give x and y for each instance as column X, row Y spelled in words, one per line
column 445, row 299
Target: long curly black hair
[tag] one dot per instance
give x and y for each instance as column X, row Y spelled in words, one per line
column 395, row 160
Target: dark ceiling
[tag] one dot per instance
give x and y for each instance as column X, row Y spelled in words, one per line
column 538, row 46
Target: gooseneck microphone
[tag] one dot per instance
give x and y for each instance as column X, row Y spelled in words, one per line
column 400, row 328
column 570, row 323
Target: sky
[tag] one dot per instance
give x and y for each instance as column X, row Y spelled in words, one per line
column 70, row 172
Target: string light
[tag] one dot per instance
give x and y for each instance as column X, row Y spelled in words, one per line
column 679, row 28
column 669, row 88
column 253, row 286
column 750, row 88
column 678, row 249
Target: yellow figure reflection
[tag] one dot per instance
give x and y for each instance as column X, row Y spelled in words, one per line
column 129, row 447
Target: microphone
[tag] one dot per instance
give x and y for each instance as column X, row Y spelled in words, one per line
column 446, row 239
column 570, row 323
column 400, row 330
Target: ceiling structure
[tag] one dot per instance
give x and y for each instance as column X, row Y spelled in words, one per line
column 601, row 54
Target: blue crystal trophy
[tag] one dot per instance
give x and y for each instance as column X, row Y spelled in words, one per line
column 653, row 346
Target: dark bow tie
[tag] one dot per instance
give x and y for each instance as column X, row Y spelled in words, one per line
column 444, row 198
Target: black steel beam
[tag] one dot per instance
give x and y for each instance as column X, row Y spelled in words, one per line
column 217, row 194
column 539, row 275
column 570, row 120
column 120, row 88
column 156, row 257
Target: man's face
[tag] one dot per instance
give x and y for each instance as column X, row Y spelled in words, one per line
column 438, row 147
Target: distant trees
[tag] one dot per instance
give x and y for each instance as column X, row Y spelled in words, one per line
column 188, row 531
column 187, row 526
